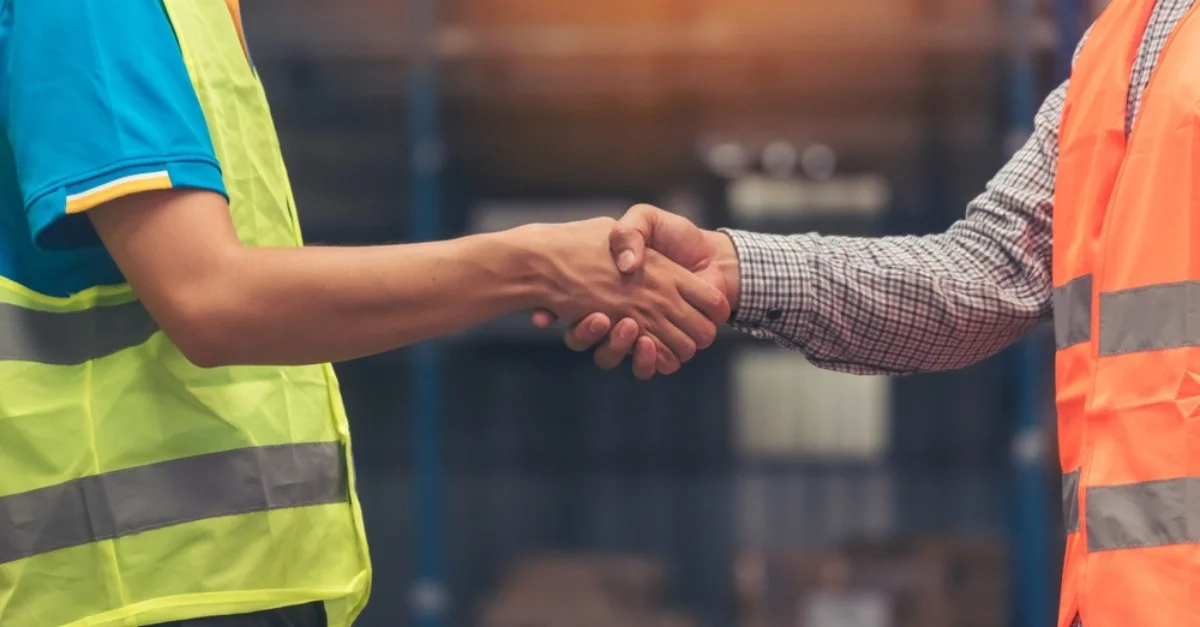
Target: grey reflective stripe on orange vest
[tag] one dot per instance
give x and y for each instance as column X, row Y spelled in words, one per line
column 126, row 502
column 1070, row 500
column 64, row 339
column 1154, row 513
column 1150, row 318
column 1073, row 312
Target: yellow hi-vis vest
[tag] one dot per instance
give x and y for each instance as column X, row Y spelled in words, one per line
column 136, row 488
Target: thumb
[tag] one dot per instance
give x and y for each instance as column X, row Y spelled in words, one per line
column 629, row 236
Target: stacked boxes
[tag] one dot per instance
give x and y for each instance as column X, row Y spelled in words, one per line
column 935, row 583
column 583, row 591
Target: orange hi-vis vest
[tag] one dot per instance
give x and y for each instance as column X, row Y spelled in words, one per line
column 1127, row 329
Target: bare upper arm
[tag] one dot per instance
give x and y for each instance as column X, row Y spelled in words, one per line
column 103, row 122
column 175, row 247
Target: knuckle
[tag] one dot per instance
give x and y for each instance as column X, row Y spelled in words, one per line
column 687, row 351
column 667, row 362
column 575, row 344
column 718, row 304
column 589, row 338
column 624, row 231
column 620, row 342
column 647, row 321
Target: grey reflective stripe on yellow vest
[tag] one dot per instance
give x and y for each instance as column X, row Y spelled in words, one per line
column 70, row 338
column 117, row 504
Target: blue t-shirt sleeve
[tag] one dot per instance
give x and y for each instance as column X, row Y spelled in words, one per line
column 99, row 105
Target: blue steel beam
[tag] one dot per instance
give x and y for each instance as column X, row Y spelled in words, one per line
column 429, row 593
column 1030, row 533
column 1069, row 17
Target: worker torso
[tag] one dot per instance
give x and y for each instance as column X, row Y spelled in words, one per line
column 136, row 488
column 1127, row 320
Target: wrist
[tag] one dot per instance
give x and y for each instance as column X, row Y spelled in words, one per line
column 524, row 264
column 726, row 260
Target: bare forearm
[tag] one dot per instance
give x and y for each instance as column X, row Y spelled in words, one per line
column 225, row 303
column 316, row 304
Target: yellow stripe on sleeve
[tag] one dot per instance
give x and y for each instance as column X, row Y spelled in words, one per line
column 124, row 186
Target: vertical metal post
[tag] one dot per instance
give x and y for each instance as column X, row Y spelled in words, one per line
column 429, row 596
column 1068, row 18
column 1030, row 533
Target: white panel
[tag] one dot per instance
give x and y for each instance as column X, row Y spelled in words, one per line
column 785, row 406
column 852, row 608
column 785, row 509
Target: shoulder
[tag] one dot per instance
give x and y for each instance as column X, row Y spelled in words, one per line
column 100, row 105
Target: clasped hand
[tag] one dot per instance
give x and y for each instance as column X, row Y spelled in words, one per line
column 677, row 282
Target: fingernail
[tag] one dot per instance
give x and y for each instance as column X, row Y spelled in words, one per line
column 627, row 332
column 597, row 326
column 625, row 261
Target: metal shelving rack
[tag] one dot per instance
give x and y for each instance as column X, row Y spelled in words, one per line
column 427, row 45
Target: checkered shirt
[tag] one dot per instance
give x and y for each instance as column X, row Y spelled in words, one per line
column 909, row 304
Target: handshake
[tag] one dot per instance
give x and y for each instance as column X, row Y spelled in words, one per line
column 652, row 285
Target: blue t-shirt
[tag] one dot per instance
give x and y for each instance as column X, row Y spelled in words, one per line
column 96, row 103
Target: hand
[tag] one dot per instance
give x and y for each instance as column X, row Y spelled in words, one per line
column 624, row 339
column 674, row 309
column 709, row 254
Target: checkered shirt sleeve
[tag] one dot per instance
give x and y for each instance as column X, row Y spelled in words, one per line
column 902, row 305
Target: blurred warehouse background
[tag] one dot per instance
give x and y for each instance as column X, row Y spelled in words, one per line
column 507, row 482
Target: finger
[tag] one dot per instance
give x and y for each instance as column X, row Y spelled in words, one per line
column 588, row 332
column 620, row 343
column 699, row 330
column 542, row 318
column 685, row 328
column 700, row 309
column 703, row 296
column 666, row 362
column 645, row 358
column 630, row 235
column 676, row 339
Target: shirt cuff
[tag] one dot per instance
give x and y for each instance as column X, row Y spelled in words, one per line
column 775, row 274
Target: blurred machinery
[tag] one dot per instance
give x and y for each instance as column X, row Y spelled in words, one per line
column 760, row 491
